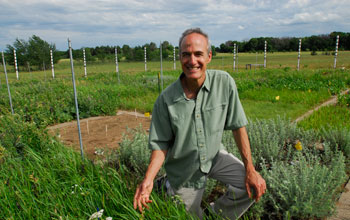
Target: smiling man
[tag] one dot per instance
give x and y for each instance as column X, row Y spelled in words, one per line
column 188, row 121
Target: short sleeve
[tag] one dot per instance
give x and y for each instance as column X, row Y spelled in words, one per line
column 236, row 117
column 161, row 135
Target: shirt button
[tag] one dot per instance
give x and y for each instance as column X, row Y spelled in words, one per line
column 197, row 115
column 201, row 145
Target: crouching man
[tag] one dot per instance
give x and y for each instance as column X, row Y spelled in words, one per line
column 188, row 121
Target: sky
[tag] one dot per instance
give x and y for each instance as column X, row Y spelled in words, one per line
column 91, row 23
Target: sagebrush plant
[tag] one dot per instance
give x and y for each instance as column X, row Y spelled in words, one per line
column 305, row 187
column 134, row 153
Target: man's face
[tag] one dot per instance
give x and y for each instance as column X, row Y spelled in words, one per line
column 194, row 56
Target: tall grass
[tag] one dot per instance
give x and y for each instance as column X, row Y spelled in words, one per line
column 42, row 179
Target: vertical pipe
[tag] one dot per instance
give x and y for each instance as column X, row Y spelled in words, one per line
column 52, row 67
column 174, row 54
column 336, row 52
column 116, row 63
column 299, row 53
column 145, row 58
column 85, row 73
column 15, row 59
column 7, row 82
column 265, row 48
column 75, row 98
column 234, row 56
column 161, row 65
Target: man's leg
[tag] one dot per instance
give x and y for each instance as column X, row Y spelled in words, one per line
column 230, row 170
column 191, row 198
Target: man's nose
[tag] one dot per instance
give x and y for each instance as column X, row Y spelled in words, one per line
column 193, row 59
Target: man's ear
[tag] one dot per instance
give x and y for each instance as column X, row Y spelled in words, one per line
column 210, row 55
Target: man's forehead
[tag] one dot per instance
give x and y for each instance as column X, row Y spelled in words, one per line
column 194, row 39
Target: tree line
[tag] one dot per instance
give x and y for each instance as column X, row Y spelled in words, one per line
column 324, row 42
column 35, row 53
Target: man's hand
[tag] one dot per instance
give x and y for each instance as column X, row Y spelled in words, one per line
column 254, row 180
column 143, row 192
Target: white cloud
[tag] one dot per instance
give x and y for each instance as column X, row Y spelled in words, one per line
column 136, row 22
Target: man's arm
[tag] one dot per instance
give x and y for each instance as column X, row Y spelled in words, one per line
column 144, row 190
column 253, row 178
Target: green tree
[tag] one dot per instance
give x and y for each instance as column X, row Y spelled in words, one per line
column 39, row 52
column 35, row 52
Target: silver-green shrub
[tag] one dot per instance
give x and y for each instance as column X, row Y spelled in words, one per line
column 134, row 153
column 304, row 187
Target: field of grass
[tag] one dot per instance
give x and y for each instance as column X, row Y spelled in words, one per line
column 34, row 165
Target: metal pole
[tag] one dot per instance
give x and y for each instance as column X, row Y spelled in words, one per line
column 265, row 48
column 15, row 59
column 145, row 58
column 52, row 67
column 7, row 82
column 85, row 73
column 336, row 52
column 174, row 59
column 234, row 56
column 299, row 53
column 161, row 65
column 75, row 98
column 116, row 63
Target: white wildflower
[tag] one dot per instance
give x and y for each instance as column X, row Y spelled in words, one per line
column 109, row 218
column 96, row 215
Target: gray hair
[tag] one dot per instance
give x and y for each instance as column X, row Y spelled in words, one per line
column 191, row 31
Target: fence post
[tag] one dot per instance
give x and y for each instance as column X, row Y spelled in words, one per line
column 85, row 72
column 161, row 65
column 7, row 82
column 299, row 52
column 52, row 67
column 336, row 52
column 234, row 56
column 75, row 98
column 116, row 63
column 145, row 58
column 15, row 59
column 237, row 56
column 174, row 59
column 265, row 48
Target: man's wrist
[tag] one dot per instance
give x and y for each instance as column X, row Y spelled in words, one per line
column 249, row 168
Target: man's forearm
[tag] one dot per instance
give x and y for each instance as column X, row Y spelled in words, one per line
column 242, row 141
column 157, row 160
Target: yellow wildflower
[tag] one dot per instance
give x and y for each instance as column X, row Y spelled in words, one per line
column 298, row 146
column 147, row 114
column 309, row 90
column 33, row 179
column 277, row 98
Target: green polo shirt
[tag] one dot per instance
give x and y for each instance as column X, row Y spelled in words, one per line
column 191, row 129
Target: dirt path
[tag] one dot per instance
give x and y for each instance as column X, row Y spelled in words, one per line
column 331, row 101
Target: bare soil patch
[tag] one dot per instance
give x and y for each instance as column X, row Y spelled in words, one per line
column 99, row 133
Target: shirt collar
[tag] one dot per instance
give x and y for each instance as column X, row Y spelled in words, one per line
column 180, row 95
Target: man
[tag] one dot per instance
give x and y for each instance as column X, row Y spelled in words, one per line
column 188, row 121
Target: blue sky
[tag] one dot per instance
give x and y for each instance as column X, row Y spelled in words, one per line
column 91, row 23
